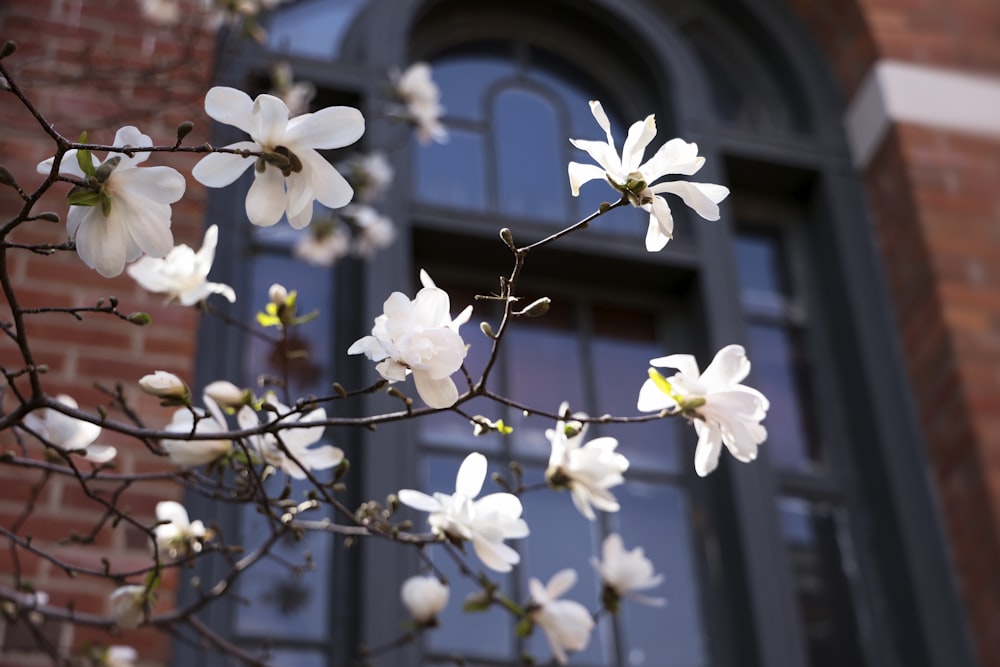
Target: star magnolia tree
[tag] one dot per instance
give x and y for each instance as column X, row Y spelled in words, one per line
column 226, row 439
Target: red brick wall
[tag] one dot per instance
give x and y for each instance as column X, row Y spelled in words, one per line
column 933, row 196
column 87, row 66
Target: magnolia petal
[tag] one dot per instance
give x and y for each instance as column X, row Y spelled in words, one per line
column 602, row 119
column 435, row 392
column 299, row 196
column 674, row 157
column 76, row 215
column 265, row 202
column 706, row 454
column 206, row 254
column 730, row 366
column 147, row 224
column 333, row 127
column 580, row 173
column 661, row 225
column 321, row 458
column 704, row 198
column 130, row 136
column 495, row 555
column 226, row 291
column 162, row 185
column 561, row 581
column 581, row 499
column 604, row 155
column 418, row 500
column 329, row 187
column 68, row 166
column 685, row 363
column 100, row 453
column 172, row 512
column 220, row 169
column 471, row 475
column 639, row 136
column 147, row 273
column 100, row 242
column 271, row 116
column 231, row 107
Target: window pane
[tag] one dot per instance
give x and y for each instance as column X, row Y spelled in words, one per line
column 778, row 371
column 543, row 370
column 463, row 81
column 624, row 343
column 531, row 178
column 561, row 538
column 816, row 547
column 314, row 28
column 284, row 605
column 657, row 518
column 761, row 271
column 451, row 174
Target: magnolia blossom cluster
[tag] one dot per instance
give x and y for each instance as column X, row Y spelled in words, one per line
column 723, row 411
column 183, row 274
column 292, row 450
column 68, row 433
column 357, row 229
column 418, row 336
column 421, row 98
column 485, row 522
column 587, row 470
column 295, row 94
column 118, row 211
column 637, row 181
column 566, row 623
column 175, row 534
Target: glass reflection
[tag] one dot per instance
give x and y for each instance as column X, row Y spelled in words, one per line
column 530, row 174
column 816, row 548
column 451, row 174
column 657, row 518
column 463, row 82
column 778, row 372
column 760, row 269
column 543, row 370
column 312, row 28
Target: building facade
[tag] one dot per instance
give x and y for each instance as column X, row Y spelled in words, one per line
column 856, row 260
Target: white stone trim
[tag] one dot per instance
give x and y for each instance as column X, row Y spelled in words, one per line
column 896, row 91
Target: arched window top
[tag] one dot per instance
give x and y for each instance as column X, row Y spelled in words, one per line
column 314, row 29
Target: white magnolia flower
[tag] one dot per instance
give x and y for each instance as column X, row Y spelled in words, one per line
column 487, row 522
column 69, row 434
column 324, row 244
column 418, row 337
column 178, row 536
column 371, row 175
column 130, row 605
column 297, row 441
column 625, row 572
column 566, row 624
column 132, row 215
column 372, row 230
column 416, row 88
column 588, row 471
column 119, row 656
column 164, row 385
column 628, row 176
column 183, row 273
column 723, row 410
column 289, row 174
column 191, row 453
column 424, row 598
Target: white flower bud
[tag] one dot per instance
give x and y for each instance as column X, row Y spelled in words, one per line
column 225, row 393
column 128, row 606
column 164, row 385
column 424, row 597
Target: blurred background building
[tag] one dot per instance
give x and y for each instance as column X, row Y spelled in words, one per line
column 858, row 259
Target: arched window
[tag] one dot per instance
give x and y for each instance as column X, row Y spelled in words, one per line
column 797, row 559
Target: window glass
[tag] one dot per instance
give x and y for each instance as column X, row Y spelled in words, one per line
column 820, row 559
column 463, row 82
column 778, row 373
column 451, row 174
column 312, row 28
column 531, row 179
column 657, row 518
